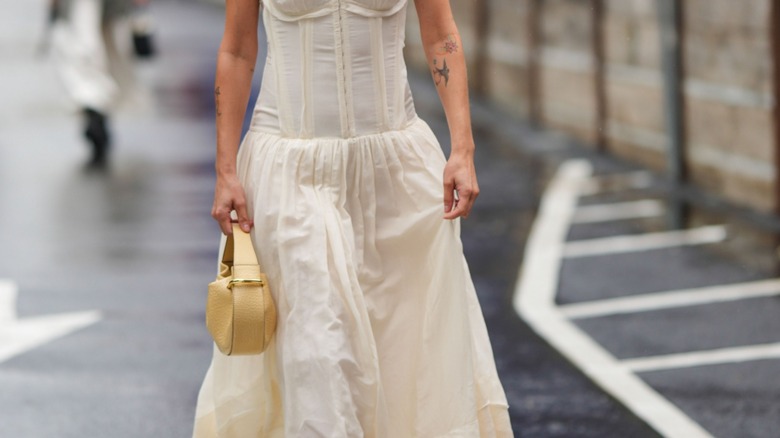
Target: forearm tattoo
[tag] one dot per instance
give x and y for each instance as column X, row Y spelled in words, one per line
column 442, row 73
column 216, row 100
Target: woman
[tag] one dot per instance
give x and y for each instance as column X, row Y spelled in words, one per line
column 354, row 214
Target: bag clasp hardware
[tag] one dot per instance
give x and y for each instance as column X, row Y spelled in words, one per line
column 235, row 281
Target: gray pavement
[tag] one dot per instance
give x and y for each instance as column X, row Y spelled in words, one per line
column 137, row 245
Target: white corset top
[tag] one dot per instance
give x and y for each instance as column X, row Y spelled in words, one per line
column 334, row 68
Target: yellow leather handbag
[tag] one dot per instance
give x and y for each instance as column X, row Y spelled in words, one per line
column 240, row 312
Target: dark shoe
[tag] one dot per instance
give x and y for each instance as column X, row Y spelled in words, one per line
column 97, row 133
column 143, row 44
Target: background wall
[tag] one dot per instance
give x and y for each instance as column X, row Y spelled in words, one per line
column 593, row 69
column 728, row 95
column 634, row 83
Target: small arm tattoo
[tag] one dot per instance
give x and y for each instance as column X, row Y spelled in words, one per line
column 216, row 100
column 441, row 73
column 449, row 46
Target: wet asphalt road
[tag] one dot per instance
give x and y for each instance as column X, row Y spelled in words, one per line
column 137, row 244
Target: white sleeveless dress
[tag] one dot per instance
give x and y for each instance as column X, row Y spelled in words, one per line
column 380, row 332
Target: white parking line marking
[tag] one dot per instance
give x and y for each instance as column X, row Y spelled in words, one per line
column 618, row 211
column 645, row 242
column 29, row 333
column 534, row 301
column 639, row 179
column 540, row 272
column 671, row 299
column 700, row 358
column 7, row 300
column 18, row 336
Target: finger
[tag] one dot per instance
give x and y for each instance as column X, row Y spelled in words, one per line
column 468, row 205
column 456, row 212
column 243, row 217
column 222, row 218
column 470, row 198
column 462, row 205
column 449, row 196
column 225, row 226
column 457, row 209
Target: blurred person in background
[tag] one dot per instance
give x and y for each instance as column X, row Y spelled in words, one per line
column 89, row 61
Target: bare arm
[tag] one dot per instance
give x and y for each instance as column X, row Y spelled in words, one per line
column 235, row 67
column 447, row 64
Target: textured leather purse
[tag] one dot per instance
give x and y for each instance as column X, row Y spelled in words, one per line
column 240, row 313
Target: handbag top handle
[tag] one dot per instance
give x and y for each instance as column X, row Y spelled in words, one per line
column 238, row 249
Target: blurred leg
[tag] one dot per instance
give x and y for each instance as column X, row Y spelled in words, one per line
column 82, row 60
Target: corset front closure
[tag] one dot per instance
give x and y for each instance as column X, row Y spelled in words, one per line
column 334, row 68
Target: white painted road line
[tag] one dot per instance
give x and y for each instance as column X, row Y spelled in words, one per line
column 540, row 272
column 26, row 334
column 672, row 299
column 620, row 181
column 534, row 301
column 8, row 292
column 645, row 242
column 18, row 336
column 700, row 358
column 618, row 211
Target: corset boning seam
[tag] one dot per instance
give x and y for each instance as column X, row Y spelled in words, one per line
column 378, row 64
column 343, row 72
column 283, row 100
column 398, row 108
column 307, row 87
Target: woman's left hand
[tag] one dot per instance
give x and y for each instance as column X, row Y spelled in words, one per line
column 460, row 185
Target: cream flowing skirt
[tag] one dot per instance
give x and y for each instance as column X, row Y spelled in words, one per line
column 380, row 332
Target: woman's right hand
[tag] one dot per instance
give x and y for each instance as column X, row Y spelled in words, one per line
column 228, row 196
